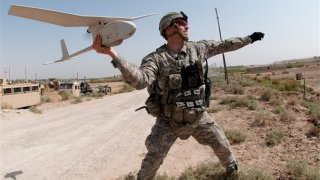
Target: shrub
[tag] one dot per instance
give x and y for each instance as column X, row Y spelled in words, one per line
column 245, row 101
column 286, row 116
column 77, row 100
column 217, row 84
column 280, row 84
column 274, row 137
column 129, row 176
column 254, row 174
column 279, row 109
column 246, row 82
column 261, row 118
column 235, row 136
column 295, row 65
column 315, row 112
column 268, row 94
column 292, row 102
column 288, row 85
column 34, row 109
column 45, row 99
column 234, row 89
column 107, row 79
column 6, row 106
column 65, row 95
column 97, row 94
column 301, row 170
column 215, row 109
column 276, row 101
column 214, row 171
column 204, row 171
column 214, row 97
column 163, row 177
column 125, row 88
column 228, row 100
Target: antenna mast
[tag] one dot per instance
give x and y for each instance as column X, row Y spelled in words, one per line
column 224, row 60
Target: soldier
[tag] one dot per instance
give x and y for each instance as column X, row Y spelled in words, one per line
column 176, row 84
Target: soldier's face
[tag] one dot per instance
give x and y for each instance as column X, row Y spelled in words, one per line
column 183, row 28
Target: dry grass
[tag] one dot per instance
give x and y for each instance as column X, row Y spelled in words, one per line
column 274, row 137
column 125, row 88
column 287, row 117
column 302, row 171
column 236, row 101
column 262, row 118
column 35, row 109
column 235, row 136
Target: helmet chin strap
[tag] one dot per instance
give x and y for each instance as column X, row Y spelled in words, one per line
column 177, row 31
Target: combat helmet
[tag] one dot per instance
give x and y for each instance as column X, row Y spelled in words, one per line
column 167, row 20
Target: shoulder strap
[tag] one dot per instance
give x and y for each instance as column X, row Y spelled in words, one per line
column 206, row 72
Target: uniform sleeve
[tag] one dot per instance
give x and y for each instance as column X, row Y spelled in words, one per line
column 138, row 77
column 211, row 48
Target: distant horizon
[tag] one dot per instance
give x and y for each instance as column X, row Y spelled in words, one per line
column 210, row 65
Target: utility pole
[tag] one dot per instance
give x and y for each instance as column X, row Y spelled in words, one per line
column 224, row 60
column 25, row 74
column 5, row 72
column 9, row 75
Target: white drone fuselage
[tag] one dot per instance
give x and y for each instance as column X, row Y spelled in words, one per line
column 113, row 30
column 112, row 33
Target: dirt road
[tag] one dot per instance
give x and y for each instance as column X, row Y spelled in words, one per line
column 97, row 139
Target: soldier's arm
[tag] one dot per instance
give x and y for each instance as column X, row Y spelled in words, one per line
column 211, row 48
column 138, row 77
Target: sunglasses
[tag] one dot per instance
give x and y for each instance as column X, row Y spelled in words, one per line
column 181, row 22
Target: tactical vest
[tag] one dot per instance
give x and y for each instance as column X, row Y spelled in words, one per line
column 178, row 93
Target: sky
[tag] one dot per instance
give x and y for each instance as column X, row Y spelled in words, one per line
column 291, row 30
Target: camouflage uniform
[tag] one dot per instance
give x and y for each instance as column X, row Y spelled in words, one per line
column 158, row 67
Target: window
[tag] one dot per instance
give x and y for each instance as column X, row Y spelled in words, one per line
column 35, row 88
column 62, row 86
column 26, row 89
column 17, row 90
column 66, row 86
column 69, row 86
column 7, row 91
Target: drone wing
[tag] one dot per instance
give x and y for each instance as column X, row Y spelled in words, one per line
column 61, row 18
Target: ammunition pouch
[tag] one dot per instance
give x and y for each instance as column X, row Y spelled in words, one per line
column 175, row 81
column 152, row 105
column 188, row 107
column 183, row 115
column 184, row 121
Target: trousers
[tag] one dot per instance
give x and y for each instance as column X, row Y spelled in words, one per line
column 161, row 138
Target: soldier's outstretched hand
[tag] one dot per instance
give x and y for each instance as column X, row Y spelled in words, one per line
column 256, row 36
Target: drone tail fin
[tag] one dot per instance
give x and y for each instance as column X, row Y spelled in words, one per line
column 65, row 53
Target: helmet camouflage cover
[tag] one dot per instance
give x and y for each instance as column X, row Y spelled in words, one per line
column 166, row 20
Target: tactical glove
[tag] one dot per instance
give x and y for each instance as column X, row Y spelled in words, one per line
column 256, row 36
